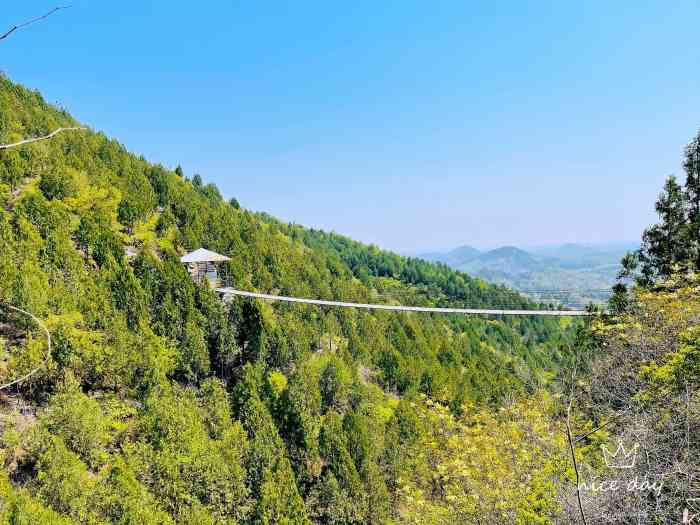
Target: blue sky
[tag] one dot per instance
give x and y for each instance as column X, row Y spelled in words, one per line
column 413, row 125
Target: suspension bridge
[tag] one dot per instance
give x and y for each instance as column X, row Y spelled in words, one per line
column 204, row 265
column 228, row 293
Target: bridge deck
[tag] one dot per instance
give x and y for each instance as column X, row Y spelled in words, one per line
column 469, row 311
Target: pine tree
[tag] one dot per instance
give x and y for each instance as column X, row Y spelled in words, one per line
column 664, row 245
column 691, row 165
column 673, row 244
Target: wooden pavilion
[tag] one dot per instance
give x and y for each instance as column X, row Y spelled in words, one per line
column 204, row 265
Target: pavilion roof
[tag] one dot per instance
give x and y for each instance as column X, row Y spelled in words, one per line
column 203, row 255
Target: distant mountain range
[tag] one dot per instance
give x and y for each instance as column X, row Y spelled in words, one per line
column 583, row 271
column 454, row 257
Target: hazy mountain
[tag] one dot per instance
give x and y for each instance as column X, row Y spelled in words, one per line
column 567, row 251
column 508, row 259
column 454, row 257
column 586, row 256
column 584, row 271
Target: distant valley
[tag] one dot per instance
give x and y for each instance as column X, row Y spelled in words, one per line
column 570, row 274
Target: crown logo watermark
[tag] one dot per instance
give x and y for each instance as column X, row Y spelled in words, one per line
column 622, row 458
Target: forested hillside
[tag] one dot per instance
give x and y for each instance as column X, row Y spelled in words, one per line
column 638, row 383
column 158, row 403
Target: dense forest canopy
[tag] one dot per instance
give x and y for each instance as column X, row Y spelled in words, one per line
column 161, row 404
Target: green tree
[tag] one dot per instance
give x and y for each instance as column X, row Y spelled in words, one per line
column 691, row 165
column 279, row 502
column 194, row 355
column 664, row 245
column 57, row 185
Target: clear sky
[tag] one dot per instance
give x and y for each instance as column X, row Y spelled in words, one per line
column 413, row 125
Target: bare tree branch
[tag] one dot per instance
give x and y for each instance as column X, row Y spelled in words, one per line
column 37, row 139
column 601, row 427
column 48, row 350
column 32, row 21
column 571, row 445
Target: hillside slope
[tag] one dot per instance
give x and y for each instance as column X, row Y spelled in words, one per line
column 160, row 404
